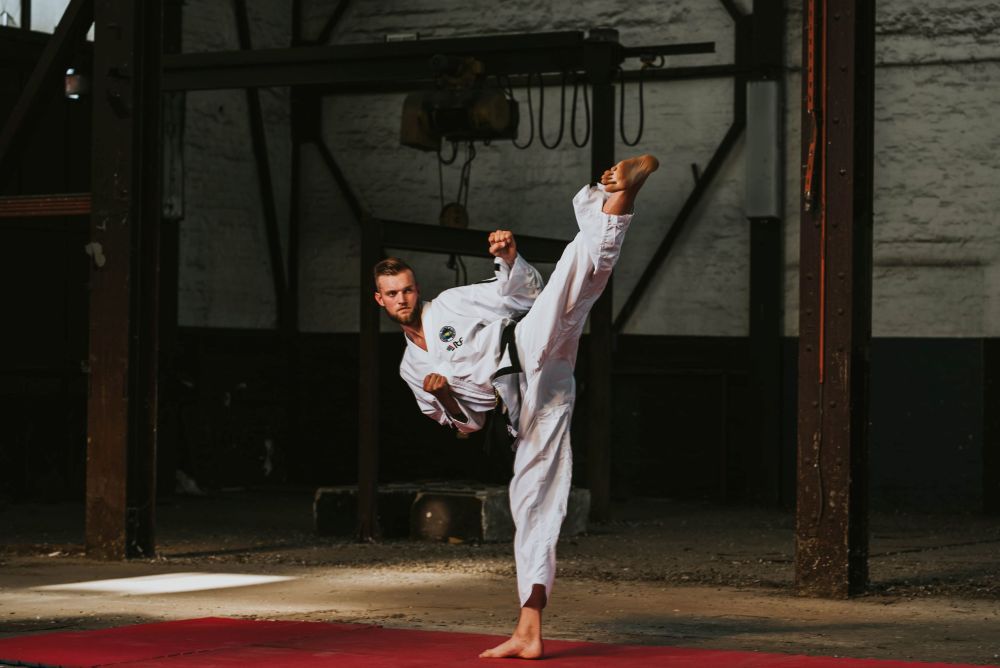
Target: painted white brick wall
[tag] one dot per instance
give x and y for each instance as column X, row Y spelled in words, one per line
column 937, row 246
column 225, row 272
column 529, row 191
column 936, row 253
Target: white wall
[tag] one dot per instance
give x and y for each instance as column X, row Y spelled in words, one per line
column 225, row 272
column 529, row 191
column 936, row 168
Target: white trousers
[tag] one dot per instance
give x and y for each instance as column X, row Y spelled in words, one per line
column 547, row 341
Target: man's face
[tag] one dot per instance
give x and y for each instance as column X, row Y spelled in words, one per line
column 400, row 297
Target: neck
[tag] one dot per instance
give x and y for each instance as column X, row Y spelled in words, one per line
column 415, row 332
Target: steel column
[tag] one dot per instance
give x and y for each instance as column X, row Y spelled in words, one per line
column 368, row 384
column 766, row 55
column 766, row 300
column 172, row 148
column 290, row 332
column 601, row 64
column 991, row 426
column 835, row 294
column 124, row 232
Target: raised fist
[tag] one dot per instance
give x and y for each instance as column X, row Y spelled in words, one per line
column 503, row 246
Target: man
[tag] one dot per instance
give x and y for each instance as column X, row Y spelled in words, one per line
column 510, row 344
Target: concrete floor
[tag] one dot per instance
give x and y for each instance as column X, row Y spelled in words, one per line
column 660, row 573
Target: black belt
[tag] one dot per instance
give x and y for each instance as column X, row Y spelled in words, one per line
column 508, row 342
column 495, row 429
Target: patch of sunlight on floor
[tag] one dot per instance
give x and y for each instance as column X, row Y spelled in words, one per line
column 170, row 583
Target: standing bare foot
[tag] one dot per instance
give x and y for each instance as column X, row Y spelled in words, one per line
column 629, row 174
column 525, row 643
column 516, row 648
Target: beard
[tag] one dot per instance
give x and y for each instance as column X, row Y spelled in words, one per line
column 410, row 317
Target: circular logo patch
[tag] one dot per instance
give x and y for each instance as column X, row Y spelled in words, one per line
column 447, row 333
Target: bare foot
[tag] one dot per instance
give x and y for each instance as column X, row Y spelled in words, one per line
column 517, row 648
column 526, row 642
column 629, row 174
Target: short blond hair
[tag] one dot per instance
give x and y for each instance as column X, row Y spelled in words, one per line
column 389, row 267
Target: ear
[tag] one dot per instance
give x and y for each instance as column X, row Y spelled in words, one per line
column 378, row 298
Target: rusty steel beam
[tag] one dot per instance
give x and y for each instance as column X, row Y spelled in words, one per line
column 36, row 206
column 452, row 241
column 43, row 83
column 831, row 557
column 338, row 175
column 332, row 21
column 521, row 80
column 372, row 64
column 124, row 245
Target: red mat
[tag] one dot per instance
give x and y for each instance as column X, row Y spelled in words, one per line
column 235, row 642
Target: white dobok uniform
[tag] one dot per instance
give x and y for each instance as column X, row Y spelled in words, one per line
column 464, row 329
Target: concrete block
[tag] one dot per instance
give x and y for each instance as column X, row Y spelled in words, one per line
column 481, row 514
column 436, row 511
column 335, row 510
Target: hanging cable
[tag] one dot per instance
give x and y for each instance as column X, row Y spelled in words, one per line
column 531, row 112
column 541, row 111
column 621, row 107
column 454, row 154
column 455, row 261
column 457, row 264
column 440, row 181
column 572, row 113
column 463, row 183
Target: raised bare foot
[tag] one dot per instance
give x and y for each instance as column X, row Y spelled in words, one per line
column 629, row 174
column 517, row 647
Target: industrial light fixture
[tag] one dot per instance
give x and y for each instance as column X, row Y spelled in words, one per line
column 463, row 107
column 75, row 84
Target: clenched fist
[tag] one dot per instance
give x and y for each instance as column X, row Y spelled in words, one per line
column 437, row 385
column 503, row 246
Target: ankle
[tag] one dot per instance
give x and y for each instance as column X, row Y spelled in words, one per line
column 529, row 623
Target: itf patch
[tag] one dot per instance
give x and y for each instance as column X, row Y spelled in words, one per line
column 447, row 333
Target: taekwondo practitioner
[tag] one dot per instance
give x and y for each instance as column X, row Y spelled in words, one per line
column 510, row 344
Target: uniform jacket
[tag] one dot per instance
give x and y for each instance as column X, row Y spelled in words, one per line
column 462, row 329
